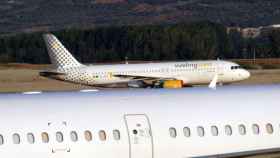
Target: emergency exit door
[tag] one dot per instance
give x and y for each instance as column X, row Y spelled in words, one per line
column 59, row 147
column 140, row 136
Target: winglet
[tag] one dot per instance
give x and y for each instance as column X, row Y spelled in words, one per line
column 213, row 83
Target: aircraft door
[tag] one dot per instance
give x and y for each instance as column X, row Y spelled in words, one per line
column 140, row 136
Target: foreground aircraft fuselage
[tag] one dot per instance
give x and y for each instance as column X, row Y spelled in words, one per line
column 67, row 68
column 195, row 122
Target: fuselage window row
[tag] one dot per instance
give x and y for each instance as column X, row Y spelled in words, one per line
column 214, row 130
column 116, row 133
column 59, row 137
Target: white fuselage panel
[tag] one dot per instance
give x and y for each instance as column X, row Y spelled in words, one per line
column 149, row 124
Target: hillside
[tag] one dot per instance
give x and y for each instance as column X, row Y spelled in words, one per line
column 44, row 15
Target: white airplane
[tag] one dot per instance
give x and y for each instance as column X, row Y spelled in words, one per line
column 167, row 123
column 171, row 74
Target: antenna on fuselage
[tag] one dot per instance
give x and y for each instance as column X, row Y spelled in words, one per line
column 126, row 60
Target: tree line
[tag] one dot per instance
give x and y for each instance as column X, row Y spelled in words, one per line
column 201, row 40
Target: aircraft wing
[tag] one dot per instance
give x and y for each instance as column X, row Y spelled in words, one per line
column 137, row 78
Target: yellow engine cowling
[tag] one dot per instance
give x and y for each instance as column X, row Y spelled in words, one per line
column 173, row 84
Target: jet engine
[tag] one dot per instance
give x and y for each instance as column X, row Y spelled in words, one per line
column 173, row 84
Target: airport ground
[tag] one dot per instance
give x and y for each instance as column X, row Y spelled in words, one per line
column 24, row 77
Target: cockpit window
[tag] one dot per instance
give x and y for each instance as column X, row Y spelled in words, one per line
column 235, row 67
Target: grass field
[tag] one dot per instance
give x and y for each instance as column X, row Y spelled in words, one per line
column 24, row 77
column 19, row 80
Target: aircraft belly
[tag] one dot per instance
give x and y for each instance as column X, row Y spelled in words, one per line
column 110, row 81
column 228, row 77
column 195, row 78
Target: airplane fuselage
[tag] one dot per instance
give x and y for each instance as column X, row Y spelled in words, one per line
column 190, row 73
column 141, row 124
column 67, row 68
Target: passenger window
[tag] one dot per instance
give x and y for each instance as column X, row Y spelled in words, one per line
column 116, row 134
column 269, row 128
column 1, row 140
column 88, row 136
column 228, row 130
column 45, row 137
column 74, row 136
column 16, row 138
column 256, row 129
column 30, row 138
column 214, row 130
column 172, row 132
column 242, row 129
column 102, row 135
column 187, row 131
column 59, row 137
column 200, row 131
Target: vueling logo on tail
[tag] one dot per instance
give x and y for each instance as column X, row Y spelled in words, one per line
column 55, row 46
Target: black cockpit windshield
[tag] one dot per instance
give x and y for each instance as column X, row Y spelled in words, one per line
column 235, row 67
